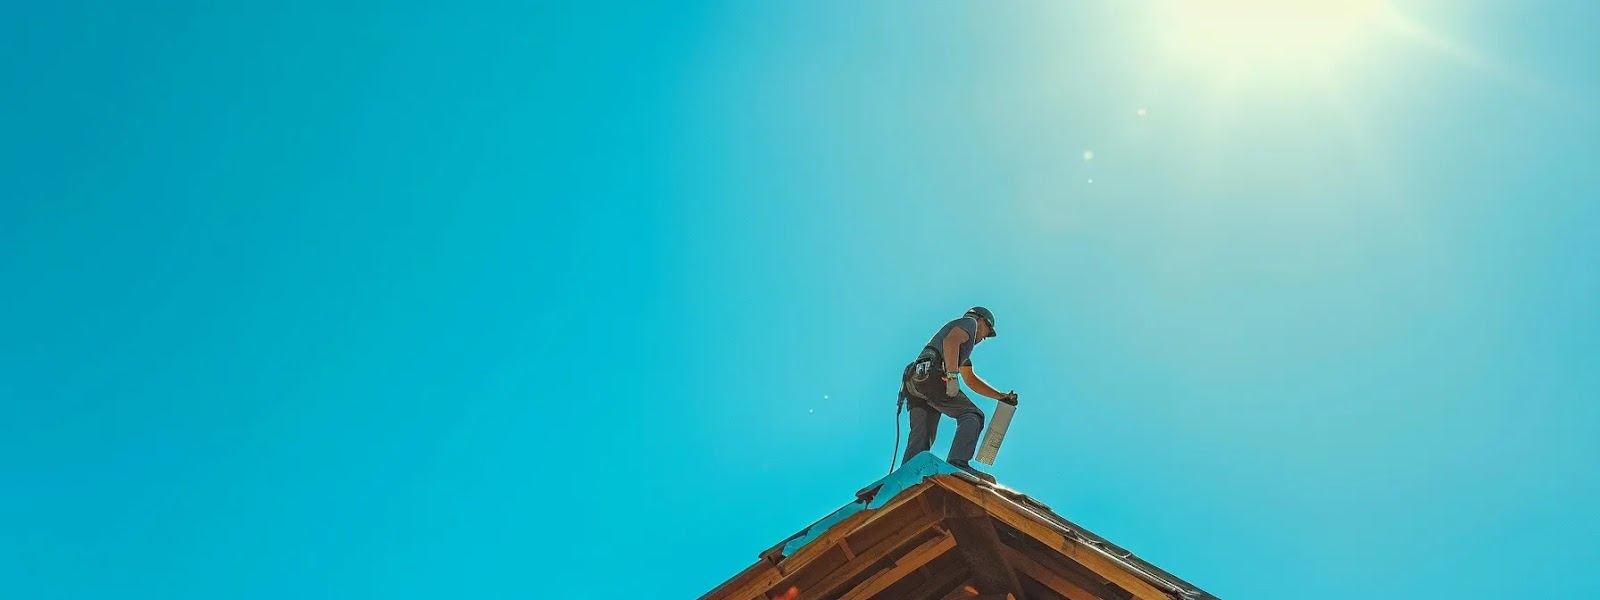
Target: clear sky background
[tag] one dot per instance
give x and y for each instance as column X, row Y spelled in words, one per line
column 513, row 300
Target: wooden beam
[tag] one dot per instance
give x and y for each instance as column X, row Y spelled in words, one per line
column 1075, row 573
column 927, row 504
column 1033, row 590
column 936, row 587
column 759, row 585
column 1066, row 568
column 980, row 546
column 820, row 546
column 1015, row 515
column 849, row 525
column 1044, row 575
column 750, row 583
column 870, row 559
column 911, row 561
column 844, row 544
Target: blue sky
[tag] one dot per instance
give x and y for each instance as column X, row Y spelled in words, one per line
column 383, row 300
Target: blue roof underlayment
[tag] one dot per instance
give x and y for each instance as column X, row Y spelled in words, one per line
column 911, row 473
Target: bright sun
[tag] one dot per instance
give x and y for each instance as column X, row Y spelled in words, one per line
column 1269, row 37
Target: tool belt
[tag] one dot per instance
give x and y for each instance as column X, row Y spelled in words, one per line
column 916, row 375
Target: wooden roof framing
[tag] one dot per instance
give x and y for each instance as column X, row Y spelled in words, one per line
column 952, row 536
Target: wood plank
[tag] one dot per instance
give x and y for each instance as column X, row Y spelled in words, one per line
column 937, row 586
column 911, row 561
column 926, row 503
column 980, row 546
column 1033, row 590
column 824, row 543
column 751, row 583
column 844, row 544
column 820, row 546
column 1015, row 515
column 1064, row 567
column 1073, row 572
column 870, row 559
column 1044, row 575
column 759, row 585
column 906, row 496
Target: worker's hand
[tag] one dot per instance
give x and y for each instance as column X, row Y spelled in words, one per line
column 1010, row 398
column 952, row 386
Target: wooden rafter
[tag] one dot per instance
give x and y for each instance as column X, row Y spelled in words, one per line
column 844, row 544
column 936, row 584
column 872, row 557
column 980, row 546
column 772, row 572
column 911, row 561
column 1042, row 574
column 744, row 586
column 844, row 528
column 1011, row 513
column 999, row 539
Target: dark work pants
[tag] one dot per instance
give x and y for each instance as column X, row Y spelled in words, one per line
column 926, row 403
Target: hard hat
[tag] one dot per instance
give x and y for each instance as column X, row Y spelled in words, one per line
column 986, row 315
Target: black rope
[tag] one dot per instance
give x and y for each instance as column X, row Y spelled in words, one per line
column 898, row 406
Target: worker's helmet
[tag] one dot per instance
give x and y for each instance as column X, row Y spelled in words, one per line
column 985, row 314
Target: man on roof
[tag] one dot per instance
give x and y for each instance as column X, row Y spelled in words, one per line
column 931, row 386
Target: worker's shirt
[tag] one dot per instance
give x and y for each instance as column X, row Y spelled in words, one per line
column 964, row 351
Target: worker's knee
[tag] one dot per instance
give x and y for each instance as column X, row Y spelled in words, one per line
column 974, row 417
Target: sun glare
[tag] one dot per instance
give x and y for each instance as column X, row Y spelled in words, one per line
column 1273, row 37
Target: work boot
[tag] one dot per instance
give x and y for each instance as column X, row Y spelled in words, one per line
column 967, row 466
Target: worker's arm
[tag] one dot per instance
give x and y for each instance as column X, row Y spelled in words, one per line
column 979, row 385
column 952, row 342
